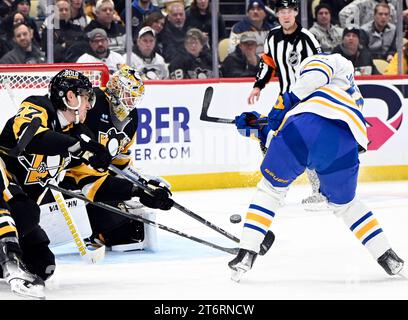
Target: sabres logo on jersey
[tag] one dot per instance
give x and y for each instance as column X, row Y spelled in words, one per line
column 115, row 141
column 41, row 169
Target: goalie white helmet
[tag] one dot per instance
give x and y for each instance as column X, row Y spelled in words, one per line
column 125, row 90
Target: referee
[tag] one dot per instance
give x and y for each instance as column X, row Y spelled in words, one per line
column 286, row 46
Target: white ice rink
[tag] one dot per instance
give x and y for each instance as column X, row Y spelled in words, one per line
column 314, row 256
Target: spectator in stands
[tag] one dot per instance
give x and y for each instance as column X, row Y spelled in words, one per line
column 360, row 12
column 199, row 16
column 381, row 33
column 336, row 6
column 156, row 21
column 243, row 62
column 392, row 68
column 104, row 10
column 90, row 6
column 353, row 51
column 99, row 51
column 25, row 51
column 145, row 59
column 140, row 10
column 9, row 22
column 23, row 6
column 78, row 16
column 4, row 47
column 65, row 33
column 174, row 32
column 5, row 8
column 328, row 35
column 255, row 22
column 195, row 60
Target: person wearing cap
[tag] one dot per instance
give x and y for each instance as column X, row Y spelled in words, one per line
column 351, row 49
column 104, row 12
column 145, row 59
column 255, row 22
column 328, row 35
column 140, row 10
column 23, row 6
column 195, row 60
column 243, row 62
column 99, row 51
column 199, row 16
column 65, row 33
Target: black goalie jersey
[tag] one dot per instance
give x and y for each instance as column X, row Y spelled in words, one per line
column 118, row 139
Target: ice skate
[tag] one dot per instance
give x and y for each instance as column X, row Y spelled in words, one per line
column 21, row 281
column 391, row 263
column 315, row 202
column 242, row 263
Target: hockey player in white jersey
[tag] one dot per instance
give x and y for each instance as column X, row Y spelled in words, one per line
column 318, row 125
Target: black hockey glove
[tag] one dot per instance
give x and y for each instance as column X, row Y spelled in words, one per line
column 160, row 198
column 92, row 152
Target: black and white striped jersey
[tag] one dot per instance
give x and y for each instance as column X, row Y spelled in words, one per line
column 283, row 53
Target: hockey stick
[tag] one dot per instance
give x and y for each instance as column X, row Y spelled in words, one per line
column 91, row 256
column 206, row 105
column 175, row 205
column 144, row 220
column 265, row 245
column 24, row 139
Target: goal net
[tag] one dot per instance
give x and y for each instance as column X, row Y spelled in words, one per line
column 17, row 82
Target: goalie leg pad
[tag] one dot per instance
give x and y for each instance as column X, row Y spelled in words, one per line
column 261, row 211
column 364, row 225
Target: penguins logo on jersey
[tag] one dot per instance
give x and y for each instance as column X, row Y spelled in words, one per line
column 115, row 141
column 294, row 58
column 41, row 169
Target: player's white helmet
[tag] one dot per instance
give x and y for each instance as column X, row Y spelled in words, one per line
column 125, row 90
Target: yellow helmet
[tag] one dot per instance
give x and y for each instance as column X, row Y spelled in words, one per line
column 125, row 90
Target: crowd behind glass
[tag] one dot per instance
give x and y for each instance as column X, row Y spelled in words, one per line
column 172, row 39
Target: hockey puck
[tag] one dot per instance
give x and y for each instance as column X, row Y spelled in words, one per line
column 235, row 218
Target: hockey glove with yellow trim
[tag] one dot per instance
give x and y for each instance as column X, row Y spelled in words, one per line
column 283, row 104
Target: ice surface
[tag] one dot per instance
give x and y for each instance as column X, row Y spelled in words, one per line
column 314, row 256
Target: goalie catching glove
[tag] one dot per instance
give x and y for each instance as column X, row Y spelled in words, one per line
column 158, row 196
column 92, row 152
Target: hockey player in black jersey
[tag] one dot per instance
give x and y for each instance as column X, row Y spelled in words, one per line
column 53, row 147
column 113, row 121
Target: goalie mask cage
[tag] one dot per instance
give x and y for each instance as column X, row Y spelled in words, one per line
column 19, row 81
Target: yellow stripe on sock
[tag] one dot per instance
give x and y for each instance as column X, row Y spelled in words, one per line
column 262, row 220
column 7, row 229
column 360, row 233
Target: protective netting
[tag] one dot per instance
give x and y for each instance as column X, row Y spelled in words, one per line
column 40, row 80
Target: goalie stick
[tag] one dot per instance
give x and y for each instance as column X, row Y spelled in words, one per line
column 144, row 220
column 265, row 245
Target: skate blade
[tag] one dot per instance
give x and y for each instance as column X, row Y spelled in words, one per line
column 36, row 292
column 236, row 275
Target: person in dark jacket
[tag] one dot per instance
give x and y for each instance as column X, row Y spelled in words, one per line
column 25, row 51
column 352, row 50
column 65, row 33
column 174, row 31
column 140, row 10
column 243, row 62
column 195, row 60
column 199, row 16
column 24, row 6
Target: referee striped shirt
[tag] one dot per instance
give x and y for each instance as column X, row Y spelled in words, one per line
column 283, row 53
